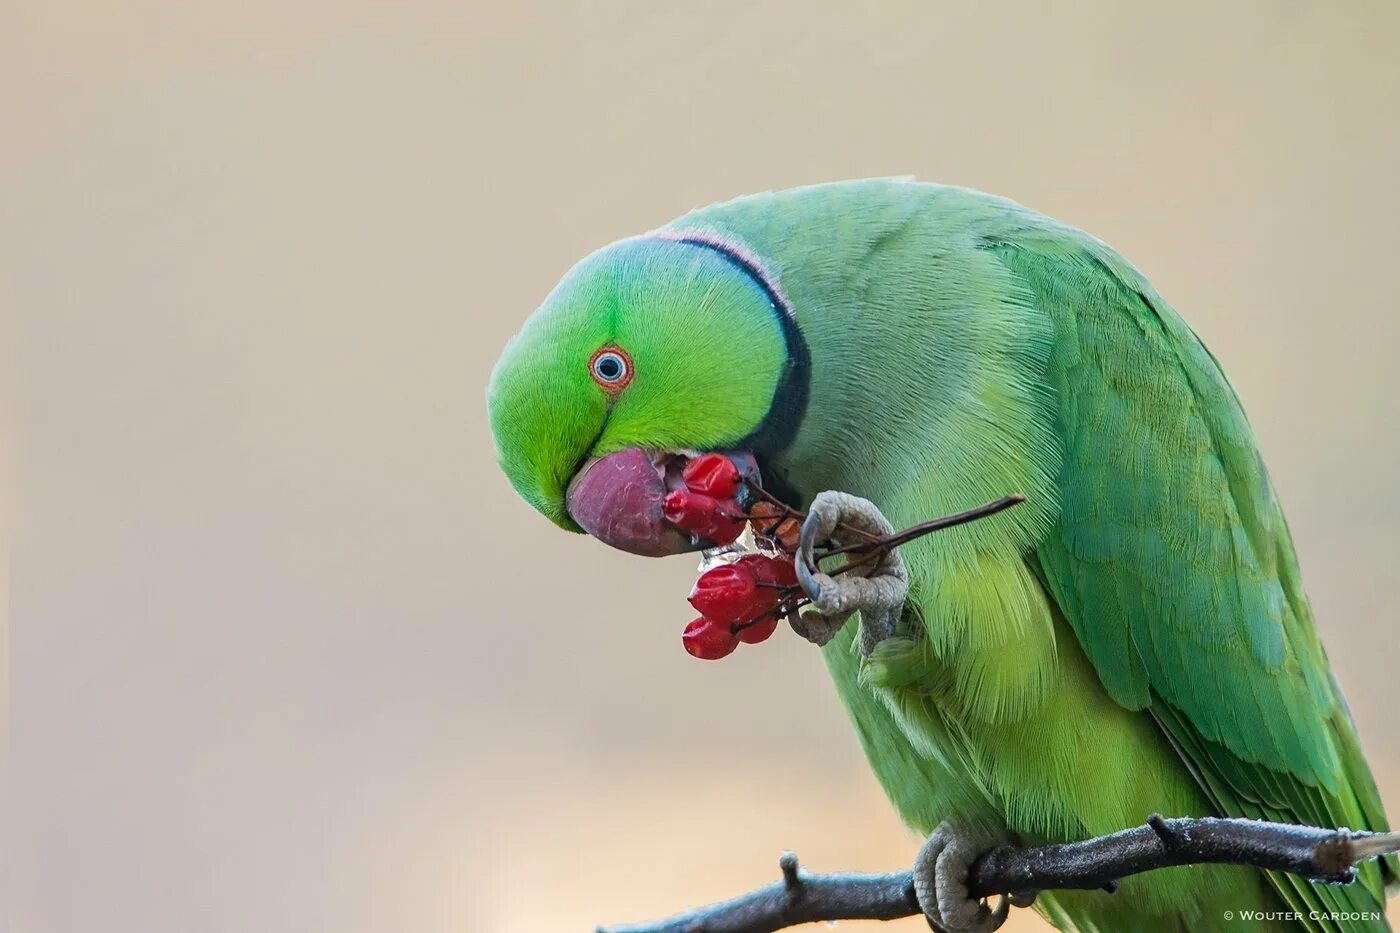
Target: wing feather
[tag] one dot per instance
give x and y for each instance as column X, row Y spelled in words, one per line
column 1172, row 562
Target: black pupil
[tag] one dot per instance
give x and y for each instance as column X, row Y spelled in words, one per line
column 609, row 368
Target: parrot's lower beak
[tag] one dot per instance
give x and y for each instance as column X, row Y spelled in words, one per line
column 617, row 499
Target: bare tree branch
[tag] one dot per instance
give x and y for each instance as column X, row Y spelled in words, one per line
column 800, row 897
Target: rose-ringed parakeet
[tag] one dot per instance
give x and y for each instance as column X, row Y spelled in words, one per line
column 1132, row 639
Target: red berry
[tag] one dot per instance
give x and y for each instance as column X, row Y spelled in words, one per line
column 712, row 474
column 779, row 571
column 727, row 593
column 703, row 516
column 758, row 630
column 708, row 640
column 743, row 590
column 686, row 509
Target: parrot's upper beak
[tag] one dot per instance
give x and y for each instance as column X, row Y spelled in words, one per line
column 617, row 499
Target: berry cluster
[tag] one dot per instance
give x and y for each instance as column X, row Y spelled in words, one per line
column 740, row 600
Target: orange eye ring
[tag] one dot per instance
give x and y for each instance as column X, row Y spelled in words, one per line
column 611, row 368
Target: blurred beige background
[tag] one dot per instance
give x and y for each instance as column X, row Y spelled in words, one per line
column 288, row 654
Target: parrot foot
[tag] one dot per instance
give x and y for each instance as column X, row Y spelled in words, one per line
column 940, row 883
column 876, row 589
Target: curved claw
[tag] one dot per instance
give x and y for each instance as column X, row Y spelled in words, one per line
column 806, row 564
column 818, row 526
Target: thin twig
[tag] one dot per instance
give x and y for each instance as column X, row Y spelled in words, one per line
column 1319, row 854
column 930, row 526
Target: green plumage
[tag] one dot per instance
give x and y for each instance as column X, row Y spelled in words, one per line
column 1133, row 639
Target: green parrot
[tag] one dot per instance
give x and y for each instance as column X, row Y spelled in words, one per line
column 1132, row 639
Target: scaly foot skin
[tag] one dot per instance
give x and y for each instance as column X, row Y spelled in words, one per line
column 876, row 591
column 940, row 883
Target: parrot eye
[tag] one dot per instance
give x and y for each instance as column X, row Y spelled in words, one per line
column 611, row 368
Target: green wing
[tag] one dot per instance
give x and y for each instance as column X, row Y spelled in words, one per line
column 1173, row 564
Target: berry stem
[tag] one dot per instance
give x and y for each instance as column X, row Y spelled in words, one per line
column 880, row 545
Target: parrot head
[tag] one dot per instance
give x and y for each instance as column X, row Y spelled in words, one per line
column 650, row 348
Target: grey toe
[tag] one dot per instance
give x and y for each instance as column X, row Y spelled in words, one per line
column 940, row 883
